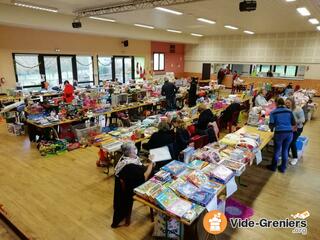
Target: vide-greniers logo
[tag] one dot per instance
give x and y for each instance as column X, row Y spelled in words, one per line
column 215, row 222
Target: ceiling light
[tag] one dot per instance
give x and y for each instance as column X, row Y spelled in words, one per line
column 248, row 32
column 103, row 19
column 206, row 20
column 168, row 10
column 313, row 21
column 318, row 28
column 231, row 27
column 196, row 35
column 37, row 7
column 174, row 31
column 290, row 0
column 143, row 26
column 303, row 11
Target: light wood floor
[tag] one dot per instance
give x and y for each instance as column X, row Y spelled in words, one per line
column 67, row 197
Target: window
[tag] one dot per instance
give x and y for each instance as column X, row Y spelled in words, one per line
column 280, row 69
column 66, row 69
column 27, row 69
column 158, row 61
column 51, row 70
column 118, row 68
column 264, row 68
column 127, row 69
column 291, row 71
column 123, row 69
column 139, row 70
column 85, row 69
column 105, row 68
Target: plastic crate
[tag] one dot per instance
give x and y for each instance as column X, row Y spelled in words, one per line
column 82, row 131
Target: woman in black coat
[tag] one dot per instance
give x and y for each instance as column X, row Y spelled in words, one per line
column 193, row 93
column 129, row 174
column 182, row 137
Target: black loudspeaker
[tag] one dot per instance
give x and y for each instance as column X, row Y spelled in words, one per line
column 76, row 24
column 206, row 71
column 125, row 43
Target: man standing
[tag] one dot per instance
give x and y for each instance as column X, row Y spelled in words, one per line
column 169, row 90
column 221, row 75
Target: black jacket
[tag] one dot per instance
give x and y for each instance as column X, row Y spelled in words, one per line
column 182, row 139
column 159, row 139
column 169, row 90
column 193, row 94
column 227, row 114
column 205, row 118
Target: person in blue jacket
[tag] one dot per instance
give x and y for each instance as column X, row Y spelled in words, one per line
column 282, row 122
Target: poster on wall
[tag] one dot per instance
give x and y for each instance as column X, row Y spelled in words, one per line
column 139, row 67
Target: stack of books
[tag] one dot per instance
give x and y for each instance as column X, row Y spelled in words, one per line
column 172, row 203
column 222, row 174
column 197, row 164
column 174, row 167
column 163, row 176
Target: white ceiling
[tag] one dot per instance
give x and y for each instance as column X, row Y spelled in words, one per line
column 271, row 16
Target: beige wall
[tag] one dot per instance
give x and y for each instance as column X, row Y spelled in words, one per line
column 282, row 48
column 23, row 40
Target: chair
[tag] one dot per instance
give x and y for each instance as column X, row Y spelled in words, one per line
column 198, row 140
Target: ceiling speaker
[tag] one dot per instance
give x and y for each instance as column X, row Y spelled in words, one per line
column 125, row 43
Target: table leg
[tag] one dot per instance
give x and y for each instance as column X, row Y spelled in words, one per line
column 181, row 235
column 166, row 228
column 240, row 183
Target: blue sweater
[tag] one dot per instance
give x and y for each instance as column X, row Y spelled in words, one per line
column 282, row 120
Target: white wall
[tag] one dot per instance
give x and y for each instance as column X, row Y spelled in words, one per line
column 283, row 48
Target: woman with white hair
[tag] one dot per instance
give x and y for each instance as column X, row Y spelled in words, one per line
column 129, row 174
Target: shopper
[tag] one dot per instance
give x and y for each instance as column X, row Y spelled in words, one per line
column 193, row 93
column 44, row 85
column 169, row 90
column 230, row 114
column 206, row 123
column 164, row 137
column 300, row 119
column 68, row 92
column 269, row 74
column 260, row 100
column 282, row 123
column 235, row 76
column 182, row 136
column 221, row 75
column 129, row 174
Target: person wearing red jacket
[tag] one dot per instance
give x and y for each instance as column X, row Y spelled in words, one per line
column 68, row 92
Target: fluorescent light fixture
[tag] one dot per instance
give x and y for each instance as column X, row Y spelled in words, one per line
column 248, row 32
column 314, row 21
column 318, row 28
column 303, row 11
column 168, row 10
column 174, row 31
column 143, row 26
column 103, row 19
column 196, row 34
column 36, row 7
column 206, row 20
column 290, row 0
column 231, row 27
